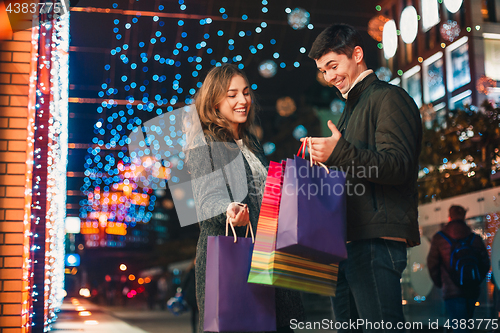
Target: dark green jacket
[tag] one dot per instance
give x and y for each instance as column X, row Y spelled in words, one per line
column 379, row 148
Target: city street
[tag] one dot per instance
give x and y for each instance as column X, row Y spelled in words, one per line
column 80, row 315
column 133, row 319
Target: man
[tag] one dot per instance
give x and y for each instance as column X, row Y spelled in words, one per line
column 459, row 299
column 378, row 147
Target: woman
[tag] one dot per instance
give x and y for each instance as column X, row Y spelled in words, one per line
column 226, row 110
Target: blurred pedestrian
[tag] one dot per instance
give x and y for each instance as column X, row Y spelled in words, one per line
column 162, row 288
column 225, row 105
column 152, row 293
column 189, row 294
column 377, row 142
column 458, row 262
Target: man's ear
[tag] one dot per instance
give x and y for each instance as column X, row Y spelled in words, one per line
column 358, row 54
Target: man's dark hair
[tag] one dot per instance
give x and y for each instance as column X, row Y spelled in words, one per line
column 339, row 38
column 457, row 213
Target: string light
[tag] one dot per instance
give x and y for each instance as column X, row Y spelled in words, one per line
column 45, row 194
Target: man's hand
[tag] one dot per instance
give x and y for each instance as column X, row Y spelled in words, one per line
column 322, row 148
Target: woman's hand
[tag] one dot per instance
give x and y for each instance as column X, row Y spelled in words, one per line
column 238, row 214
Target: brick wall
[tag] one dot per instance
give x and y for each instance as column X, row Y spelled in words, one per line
column 15, row 67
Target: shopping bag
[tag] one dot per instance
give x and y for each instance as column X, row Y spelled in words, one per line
column 312, row 216
column 279, row 269
column 232, row 304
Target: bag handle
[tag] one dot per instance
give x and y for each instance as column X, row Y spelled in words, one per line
column 302, row 149
column 229, row 222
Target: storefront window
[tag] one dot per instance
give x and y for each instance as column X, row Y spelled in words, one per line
column 492, row 58
column 412, row 84
column 458, row 64
column 434, row 78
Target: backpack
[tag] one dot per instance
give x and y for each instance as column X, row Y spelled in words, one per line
column 464, row 261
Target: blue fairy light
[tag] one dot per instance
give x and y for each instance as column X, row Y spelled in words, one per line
column 299, row 132
column 269, row 148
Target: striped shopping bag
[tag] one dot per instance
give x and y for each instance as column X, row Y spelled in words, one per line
column 281, row 269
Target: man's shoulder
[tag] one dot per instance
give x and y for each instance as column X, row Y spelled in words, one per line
column 379, row 88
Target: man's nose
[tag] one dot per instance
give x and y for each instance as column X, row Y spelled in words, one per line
column 330, row 77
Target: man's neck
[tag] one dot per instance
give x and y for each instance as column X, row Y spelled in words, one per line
column 364, row 73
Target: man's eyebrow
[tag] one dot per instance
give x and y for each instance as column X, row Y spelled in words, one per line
column 328, row 63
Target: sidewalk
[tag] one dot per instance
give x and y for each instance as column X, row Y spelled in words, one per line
column 80, row 315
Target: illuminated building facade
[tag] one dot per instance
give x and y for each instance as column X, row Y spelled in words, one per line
column 34, row 112
column 444, row 53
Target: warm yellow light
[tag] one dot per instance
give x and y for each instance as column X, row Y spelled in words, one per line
column 147, row 280
column 85, row 292
column 404, row 302
column 443, row 45
column 91, row 322
column 131, row 277
column 75, row 301
column 420, row 59
column 123, row 267
column 80, row 308
column 140, row 281
column 74, row 271
column 477, row 304
column 84, row 313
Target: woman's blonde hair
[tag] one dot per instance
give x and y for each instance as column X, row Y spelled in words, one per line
column 213, row 92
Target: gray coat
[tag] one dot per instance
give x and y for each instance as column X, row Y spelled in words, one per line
column 211, row 202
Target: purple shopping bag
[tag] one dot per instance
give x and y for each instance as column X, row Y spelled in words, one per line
column 312, row 216
column 232, row 304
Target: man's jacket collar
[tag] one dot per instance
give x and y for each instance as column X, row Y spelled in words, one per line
column 358, row 88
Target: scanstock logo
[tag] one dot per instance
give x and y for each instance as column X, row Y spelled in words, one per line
column 26, row 14
column 171, row 151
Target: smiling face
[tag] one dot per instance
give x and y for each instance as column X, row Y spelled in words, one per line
column 341, row 71
column 236, row 105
